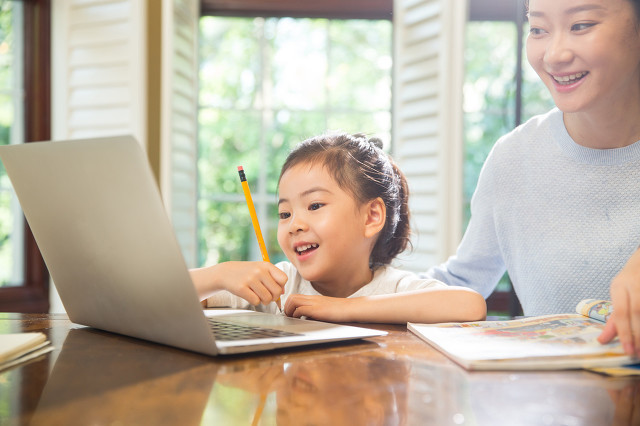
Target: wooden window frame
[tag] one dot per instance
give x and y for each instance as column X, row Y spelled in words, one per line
column 33, row 294
column 330, row 9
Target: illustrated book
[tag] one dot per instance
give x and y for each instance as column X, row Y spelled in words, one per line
column 548, row 342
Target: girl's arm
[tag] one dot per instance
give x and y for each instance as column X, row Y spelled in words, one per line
column 625, row 295
column 255, row 282
column 450, row 304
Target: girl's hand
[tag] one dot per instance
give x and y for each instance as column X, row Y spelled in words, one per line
column 323, row 308
column 625, row 295
column 255, row 282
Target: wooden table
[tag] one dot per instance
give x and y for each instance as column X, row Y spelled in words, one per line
column 97, row 378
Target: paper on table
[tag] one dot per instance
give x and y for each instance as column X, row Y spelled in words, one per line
column 20, row 347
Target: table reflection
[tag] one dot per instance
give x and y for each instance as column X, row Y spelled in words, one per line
column 349, row 386
column 101, row 378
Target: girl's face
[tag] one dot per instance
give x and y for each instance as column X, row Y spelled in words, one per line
column 322, row 230
column 587, row 52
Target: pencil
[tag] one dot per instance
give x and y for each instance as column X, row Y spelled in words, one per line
column 254, row 220
column 258, row 413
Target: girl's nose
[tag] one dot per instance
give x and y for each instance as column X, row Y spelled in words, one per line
column 297, row 224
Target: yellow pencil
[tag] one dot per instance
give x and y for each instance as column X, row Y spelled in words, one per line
column 254, row 220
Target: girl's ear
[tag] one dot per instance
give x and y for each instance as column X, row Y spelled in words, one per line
column 376, row 216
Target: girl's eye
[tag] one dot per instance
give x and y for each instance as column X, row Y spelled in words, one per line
column 315, row 206
column 284, row 215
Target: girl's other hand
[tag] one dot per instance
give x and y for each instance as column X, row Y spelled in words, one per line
column 322, row 308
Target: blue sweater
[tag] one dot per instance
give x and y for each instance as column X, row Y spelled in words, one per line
column 562, row 219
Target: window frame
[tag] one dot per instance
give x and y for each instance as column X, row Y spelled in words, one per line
column 33, row 294
column 330, row 9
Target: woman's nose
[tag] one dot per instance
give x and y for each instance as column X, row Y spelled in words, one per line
column 558, row 51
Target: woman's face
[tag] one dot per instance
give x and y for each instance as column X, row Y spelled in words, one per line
column 587, row 52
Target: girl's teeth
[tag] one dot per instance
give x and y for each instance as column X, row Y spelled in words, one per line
column 300, row 249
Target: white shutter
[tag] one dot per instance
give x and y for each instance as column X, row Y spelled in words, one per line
column 179, row 120
column 427, row 123
column 98, row 69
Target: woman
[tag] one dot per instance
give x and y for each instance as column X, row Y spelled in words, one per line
column 558, row 200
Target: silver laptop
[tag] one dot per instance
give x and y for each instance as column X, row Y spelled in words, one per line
column 95, row 211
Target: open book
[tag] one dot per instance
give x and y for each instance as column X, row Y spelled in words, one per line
column 548, row 342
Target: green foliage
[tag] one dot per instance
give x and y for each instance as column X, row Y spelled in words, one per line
column 6, row 44
column 6, row 121
column 265, row 85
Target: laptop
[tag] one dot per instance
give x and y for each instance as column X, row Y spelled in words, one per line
column 97, row 216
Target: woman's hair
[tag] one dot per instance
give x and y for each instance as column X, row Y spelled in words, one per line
column 636, row 7
column 361, row 168
column 635, row 3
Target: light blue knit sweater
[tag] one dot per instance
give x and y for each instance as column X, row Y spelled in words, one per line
column 561, row 218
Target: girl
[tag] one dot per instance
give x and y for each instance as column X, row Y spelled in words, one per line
column 343, row 207
column 558, row 200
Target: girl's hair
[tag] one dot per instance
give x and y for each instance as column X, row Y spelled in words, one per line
column 360, row 167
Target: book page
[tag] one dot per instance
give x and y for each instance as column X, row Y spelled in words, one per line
column 599, row 310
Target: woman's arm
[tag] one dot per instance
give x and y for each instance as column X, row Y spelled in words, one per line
column 255, row 282
column 450, row 304
column 625, row 295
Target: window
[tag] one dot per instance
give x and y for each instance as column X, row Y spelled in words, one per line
column 24, row 116
column 501, row 91
column 11, row 108
column 248, row 115
column 267, row 83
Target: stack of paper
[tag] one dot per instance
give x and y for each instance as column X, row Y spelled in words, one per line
column 20, row 347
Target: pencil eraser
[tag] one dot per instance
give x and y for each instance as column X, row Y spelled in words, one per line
column 240, row 168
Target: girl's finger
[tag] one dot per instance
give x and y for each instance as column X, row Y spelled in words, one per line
column 261, row 290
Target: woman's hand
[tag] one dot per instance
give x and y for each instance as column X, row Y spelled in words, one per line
column 625, row 296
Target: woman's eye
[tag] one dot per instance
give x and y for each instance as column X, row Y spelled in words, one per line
column 582, row 26
column 284, row 215
column 315, row 206
column 536, row 31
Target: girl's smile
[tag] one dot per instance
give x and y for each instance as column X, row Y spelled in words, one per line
column 304, row 250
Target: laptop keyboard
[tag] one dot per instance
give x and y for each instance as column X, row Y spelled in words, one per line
column 231, row 331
